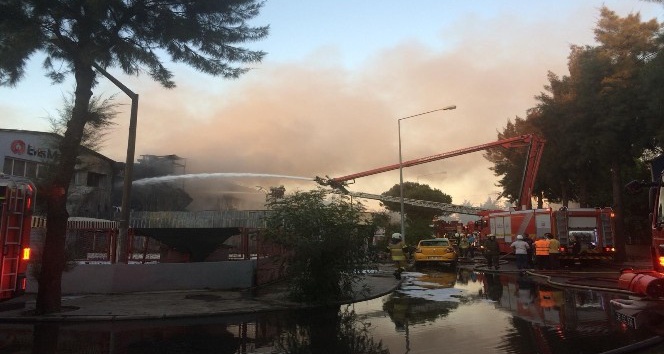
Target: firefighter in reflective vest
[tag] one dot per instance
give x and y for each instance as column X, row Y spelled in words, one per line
column 542, row 252
column 396, row 253
column 554, row 251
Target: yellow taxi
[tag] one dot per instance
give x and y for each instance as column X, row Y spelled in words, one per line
column 435, row 251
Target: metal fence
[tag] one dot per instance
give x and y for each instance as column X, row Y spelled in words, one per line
column 95, row 241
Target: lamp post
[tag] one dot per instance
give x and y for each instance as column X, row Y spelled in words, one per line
column 403, row 226
column 120, row 255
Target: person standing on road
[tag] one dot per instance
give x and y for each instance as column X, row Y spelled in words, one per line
column 542, row 252
column 531, row 248
column 554, row 251
column 471, row 245
column 396, row 253
column 463, row 246
column 491, row 251
column 520, row 248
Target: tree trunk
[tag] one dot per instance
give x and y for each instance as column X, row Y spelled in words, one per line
column 53, row 255
column 540, row 200
column 619, row 222
column 563, row 194
column 583, row 194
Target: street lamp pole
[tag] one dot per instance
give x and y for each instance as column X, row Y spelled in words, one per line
column 403, row 225
column 120, row 254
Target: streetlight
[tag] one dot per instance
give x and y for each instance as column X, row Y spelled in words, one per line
column 403, row 227
column 121, row 247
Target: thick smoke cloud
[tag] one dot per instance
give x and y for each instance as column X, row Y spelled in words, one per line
column 318, row 117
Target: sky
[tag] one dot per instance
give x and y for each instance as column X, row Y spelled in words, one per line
column 327, row 98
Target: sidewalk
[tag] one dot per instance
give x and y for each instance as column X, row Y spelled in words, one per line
column 179, row 304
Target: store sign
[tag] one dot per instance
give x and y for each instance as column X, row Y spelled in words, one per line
column 19, row 147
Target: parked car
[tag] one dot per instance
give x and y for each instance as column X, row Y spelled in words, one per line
column 435, row 251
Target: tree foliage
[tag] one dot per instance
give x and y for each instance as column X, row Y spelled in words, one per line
column 600, row 120
column 134, row 36
column 101, row 113
column 509, row 163
column 418, row 219
column 326, row 240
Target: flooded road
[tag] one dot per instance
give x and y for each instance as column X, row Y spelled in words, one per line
column 434, row 311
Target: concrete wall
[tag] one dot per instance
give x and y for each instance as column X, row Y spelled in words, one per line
column 126, row 278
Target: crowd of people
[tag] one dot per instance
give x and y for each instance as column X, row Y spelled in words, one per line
column 542, row 253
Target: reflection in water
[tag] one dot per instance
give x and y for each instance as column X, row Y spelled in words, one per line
column 327, row 331
column 552, row 320
column 436, row 310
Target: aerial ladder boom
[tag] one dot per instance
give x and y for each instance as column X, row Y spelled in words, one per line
column 535, row 148
column 450, row 208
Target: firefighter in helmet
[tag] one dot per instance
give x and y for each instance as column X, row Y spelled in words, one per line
column 396, row 253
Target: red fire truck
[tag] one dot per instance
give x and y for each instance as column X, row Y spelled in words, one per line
column 651, row 282
column 593, row 228
column 648, row 283
column 17, row 202
column 657, row 216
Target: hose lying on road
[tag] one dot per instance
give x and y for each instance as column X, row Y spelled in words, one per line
column 652, row 341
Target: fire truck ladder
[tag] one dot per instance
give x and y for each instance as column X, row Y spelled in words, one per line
column 607, row 230
column 562, row 223
column 451, row 208
column 11, row 227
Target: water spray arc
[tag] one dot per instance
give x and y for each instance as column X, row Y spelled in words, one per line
column 171, row 178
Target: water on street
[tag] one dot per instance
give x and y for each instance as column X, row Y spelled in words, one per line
column 434, row 311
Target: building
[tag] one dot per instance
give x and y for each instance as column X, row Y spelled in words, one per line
column 30, row 154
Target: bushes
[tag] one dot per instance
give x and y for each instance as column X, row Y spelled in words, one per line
column 328, row 248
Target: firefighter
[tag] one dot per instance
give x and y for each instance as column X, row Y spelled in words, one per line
column 396, row 253
column 542, row 252
column 531, row 250
column 471, row 247
column 457, row 239
column 520, row 249
column 463, row 246
column 491, row 251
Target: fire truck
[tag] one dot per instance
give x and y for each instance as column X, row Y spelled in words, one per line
column 592, row 228
column 650, row 282
column 17, row 201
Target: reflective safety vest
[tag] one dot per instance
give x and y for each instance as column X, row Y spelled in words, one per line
column 396, row 252
column 554, row 246
column 541, row 247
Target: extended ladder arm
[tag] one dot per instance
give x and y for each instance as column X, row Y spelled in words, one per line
column 451, row 208
column 535, row 144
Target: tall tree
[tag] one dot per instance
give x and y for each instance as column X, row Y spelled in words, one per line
column 595, row 120
column 625, row 43
column 417, row 218
column 552, row 116
column 131, row 35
